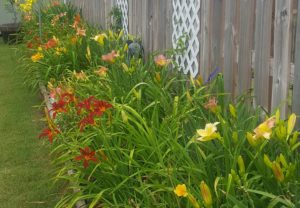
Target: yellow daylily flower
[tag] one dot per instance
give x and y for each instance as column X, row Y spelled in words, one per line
column 100, row 38
column 264, row 130
column 60, row 50
column 36, row 57
column 209, row 133
column 181, row 190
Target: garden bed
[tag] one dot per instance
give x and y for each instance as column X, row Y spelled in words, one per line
column 142, row 134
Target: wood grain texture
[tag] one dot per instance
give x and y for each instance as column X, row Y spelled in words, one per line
column 205, row 38
column 262, row 52
column 245, row 36
column 282, row 55
column 296, row 87
column 230, row 48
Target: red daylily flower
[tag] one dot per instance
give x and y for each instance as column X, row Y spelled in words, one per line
column 101, row 106
column 58, row 107
column 89, row 120
column 85, row 104
column 49, row 133
column 29, row 45
column 86, row 155
column 68, row 97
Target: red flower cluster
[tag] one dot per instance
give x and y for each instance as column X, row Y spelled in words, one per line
column 86, row 155
column 92, row 107
column 61, row 105
column 49, row 133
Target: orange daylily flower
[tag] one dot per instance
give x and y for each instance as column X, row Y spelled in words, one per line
column 51, row 43
column 55, row 3
column 110, row 57
column 77, row 20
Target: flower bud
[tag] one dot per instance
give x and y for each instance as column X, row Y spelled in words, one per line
column 291, row 123
column 267, row 161
column 278, row 173
column 283, row 161
column 241, row 165
column 206, row 194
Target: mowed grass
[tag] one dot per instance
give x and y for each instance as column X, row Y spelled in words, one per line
column 25, row 168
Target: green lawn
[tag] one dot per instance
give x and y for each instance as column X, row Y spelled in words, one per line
column 25, row 168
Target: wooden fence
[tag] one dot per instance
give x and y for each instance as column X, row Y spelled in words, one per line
column 255, row 43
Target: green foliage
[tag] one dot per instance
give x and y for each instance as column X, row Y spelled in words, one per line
column 117, row 19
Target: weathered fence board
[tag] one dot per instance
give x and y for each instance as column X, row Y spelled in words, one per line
column 282, row 52
column 205, row 38
column 262, row 52
column 229, row 51
column 245, row 36
column 296, row 87
column 95, row 11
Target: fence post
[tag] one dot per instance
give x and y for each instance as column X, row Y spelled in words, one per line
column 245, row 37
column 262, row 52
column 230, row 47
column 282, row 54
column 296, row 87
column 205, row 38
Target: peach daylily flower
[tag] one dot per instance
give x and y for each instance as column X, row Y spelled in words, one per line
column 110, row 57
column 80, row 32
column 161, row 60
column 212, row 104
column 102, row 71
column 265, row 129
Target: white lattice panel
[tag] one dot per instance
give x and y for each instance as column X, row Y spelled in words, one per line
column 123, row 5
column 186, row 21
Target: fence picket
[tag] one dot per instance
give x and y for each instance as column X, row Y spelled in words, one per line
column 282, row 52
column 296, row 87
column 229, row 45
column 262, row 52
column 245, row 36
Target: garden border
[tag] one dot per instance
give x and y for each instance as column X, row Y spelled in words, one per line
column 45, row 94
